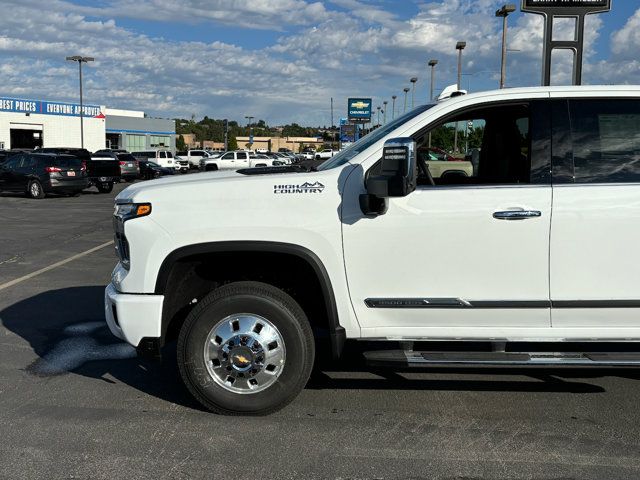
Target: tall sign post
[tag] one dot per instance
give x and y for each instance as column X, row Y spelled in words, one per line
column 572, row 9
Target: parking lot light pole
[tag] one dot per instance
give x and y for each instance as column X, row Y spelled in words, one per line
column 393, row 108
column 460, row 46
column 384, row 112
column 504, row 13
column 249, row 118
column 406, row 90
column 378, row 108
column 413, row 81
column 432, row 64
column 81, row 60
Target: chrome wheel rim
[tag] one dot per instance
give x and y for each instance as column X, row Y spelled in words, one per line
column 244, row 353
column 35, row 189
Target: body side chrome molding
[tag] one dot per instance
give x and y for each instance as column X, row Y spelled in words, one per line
column 461, row 303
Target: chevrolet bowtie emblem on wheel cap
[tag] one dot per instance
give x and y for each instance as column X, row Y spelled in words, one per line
column 242, row 359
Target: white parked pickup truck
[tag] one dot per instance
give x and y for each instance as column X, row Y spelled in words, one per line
column 193, row 157
column 238, row 160
column 530, row 258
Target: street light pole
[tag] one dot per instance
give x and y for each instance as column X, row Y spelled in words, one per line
column 406, row 90
column 413, row 81
column 384, row 111
column 81, row 60
column 432, row 64
column 378, row 108
column 504, row 13
column 393, row 113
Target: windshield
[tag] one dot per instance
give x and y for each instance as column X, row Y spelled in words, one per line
column 365, row 142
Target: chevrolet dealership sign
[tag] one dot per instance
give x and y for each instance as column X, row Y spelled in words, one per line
column 38, row 107
column 359, row 110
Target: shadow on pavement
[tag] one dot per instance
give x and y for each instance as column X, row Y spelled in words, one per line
column 66, row 329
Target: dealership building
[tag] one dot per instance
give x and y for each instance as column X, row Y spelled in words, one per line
column 31, row 124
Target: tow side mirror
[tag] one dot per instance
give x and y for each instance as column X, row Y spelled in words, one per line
column 397, row 178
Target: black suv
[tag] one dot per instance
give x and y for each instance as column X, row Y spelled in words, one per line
column 37, row 174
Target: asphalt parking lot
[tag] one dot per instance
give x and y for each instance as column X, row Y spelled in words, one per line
column 76, row 403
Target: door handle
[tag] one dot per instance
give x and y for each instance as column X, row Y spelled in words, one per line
column 517, row 214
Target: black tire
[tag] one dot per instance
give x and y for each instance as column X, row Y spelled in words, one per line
column 105, row 187
column 249, row 298
column 34, row 189
column 75, row 193
column 211, row 168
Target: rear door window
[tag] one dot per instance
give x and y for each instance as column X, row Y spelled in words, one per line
column 606, row 140
column 67, row 163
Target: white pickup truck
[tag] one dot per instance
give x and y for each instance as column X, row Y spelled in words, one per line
column 238, row 160
column 325, row 154
column 529, row 259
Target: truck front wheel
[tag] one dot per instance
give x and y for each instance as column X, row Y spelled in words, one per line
column 246, row 349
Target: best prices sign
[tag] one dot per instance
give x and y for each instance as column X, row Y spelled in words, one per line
column 39, row 107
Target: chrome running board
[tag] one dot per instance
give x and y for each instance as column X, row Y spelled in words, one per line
column 409, row 358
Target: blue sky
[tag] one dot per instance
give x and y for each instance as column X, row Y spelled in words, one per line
column 282, row 60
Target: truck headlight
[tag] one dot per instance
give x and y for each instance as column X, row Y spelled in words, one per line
column 128, row 211
column 122, row 213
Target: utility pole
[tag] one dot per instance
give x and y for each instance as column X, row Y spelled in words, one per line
column 504, row 13
column 393, row 113
column 406, row 90
column 81, row 60
column 384, row 111
column 432, row 64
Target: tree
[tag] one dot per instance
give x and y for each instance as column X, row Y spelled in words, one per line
column 180, row 145
column 233, row 143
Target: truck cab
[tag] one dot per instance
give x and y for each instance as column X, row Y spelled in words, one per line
column 526, row 259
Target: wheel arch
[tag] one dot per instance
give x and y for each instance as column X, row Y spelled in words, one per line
column 337, row 334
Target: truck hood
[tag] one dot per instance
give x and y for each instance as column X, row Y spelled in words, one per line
column 184, row 184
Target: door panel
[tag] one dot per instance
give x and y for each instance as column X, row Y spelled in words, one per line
column 596, row 212
column 444, row 245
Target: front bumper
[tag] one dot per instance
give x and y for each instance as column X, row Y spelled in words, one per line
column 132, row 317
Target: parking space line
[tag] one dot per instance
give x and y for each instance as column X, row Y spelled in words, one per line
column 55, row 265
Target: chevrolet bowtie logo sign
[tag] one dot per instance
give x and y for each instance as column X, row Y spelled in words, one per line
column 359, row 110
column 360, row 104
